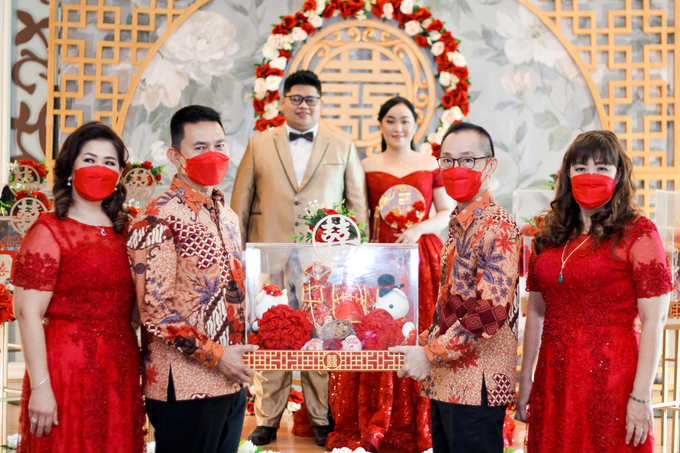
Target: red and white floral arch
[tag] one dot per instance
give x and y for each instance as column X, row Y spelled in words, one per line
column 416, row 21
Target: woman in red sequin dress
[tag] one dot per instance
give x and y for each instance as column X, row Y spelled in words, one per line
column 370, row 408
column 74, row 303
column 598, row 265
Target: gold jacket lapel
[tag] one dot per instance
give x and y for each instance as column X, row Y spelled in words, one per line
column 321, row 144
column 283, row 150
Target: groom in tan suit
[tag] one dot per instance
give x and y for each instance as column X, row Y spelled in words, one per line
column 282, row 170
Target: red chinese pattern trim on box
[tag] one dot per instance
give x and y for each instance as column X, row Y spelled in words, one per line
column 323, row 360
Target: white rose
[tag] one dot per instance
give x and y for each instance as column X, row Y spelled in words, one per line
column 458, row 59
column 320, row 6
column 425, row 148
column 450, row 116
column 279, row 63
column 438, row 48
column 434, row 36
column 247, row 446
column 299, row 34
column 445, row 78
column 426, row 23
column 435, row 137
column 13, row 440
column 441, row 130
column 273, row 82
column 388, row 11
column 315, row 21
column 412, row 27
column 457, row 113
column 260, row 88
column 361, row 15
column 406, row 7
column 269, row 52
column 276, row 41
column 288, row 41
column 271, row 110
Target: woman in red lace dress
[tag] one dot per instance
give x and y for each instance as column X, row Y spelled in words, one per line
column 598, row 265
column 372, row 407
column 74, row 303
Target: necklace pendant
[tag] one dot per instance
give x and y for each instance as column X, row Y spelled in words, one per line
column 561, row 279
column 104, row 234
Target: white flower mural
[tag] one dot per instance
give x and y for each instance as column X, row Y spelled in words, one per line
column 162, row 82
column 528, row 39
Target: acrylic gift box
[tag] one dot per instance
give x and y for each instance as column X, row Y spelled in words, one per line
column 308, row 311
column 667, row 219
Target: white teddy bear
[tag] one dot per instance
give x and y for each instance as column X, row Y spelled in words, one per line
column 396, row 303
column 269, row 296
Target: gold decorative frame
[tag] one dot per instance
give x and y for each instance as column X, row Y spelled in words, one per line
column 108, row 53
column 653, row 169
column 393, row 43
column 323, row 360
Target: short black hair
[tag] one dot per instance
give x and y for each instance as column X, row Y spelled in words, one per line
column 303, row 77
column 191, row 114
column 387, row 106
column 487, row 145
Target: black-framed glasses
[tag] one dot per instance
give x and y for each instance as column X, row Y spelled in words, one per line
column 464, row 162
column 296, row 99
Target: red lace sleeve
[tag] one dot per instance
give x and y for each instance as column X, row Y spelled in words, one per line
column 650, row 271
column 37, row 264
column 437, row 181
column 532, row 281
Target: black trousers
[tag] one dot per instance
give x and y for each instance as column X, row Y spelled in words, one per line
column 210, row 425
column 457, row 428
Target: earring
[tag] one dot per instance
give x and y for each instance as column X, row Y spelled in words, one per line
column 116, row 189
column 69, row 182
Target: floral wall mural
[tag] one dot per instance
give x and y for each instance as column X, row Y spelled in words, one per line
column 527, row 91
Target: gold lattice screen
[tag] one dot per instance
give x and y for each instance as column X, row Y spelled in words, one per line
column 68, row 23
column 652, row 141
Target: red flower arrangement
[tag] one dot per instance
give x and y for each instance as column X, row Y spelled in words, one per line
column 399, row 221
column 379, row 331
column 282, row 327
column 39, row 167
column 156, row 172
column 312, row 219
column 34, row 194
column 6, row 304
column 427, row 31
column 296, row 397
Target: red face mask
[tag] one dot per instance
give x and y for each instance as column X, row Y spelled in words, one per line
column 462, row 184
column 95, row 183
column 207, row 169
column 591, row 190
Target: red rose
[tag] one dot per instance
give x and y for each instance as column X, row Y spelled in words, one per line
column 262, row 124
column 377, row 9
column 272, row 96
column 26, row 162
column 436, row 25
column 296, row 397
column 332, row 344
column 281, row 327
column 261, row 71
column 351, row 8
column 465, row 107
column 279, row 30
column 402, row 18
column 447, row 66
column 422, row 41
column 412, row 216
column 461, row 72
column 448, row 99
column 309, row 5
column 289, row 22
column 278, row 120
column 390, row 218
column 436, row 150
column 463, row 85
column 41, row 169
column 250, row 407
column 422, row 14
column 419, row 206
column 158, row 177
column 253, row 338
column 301, row 18
column 6, row 306
column 330, row 211
column 378, row 331
column 146, row 164
column 308, row 28
column 285, row 54
column 441, row 58
column 258, row 106
column 447, row 38
column 330, row 9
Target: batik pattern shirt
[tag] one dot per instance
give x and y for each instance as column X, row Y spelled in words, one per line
column 185, row 253
column 473, row 335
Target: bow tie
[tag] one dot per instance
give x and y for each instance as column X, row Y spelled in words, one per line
column 309, row 136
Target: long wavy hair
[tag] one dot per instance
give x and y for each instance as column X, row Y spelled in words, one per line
column 563, row 221
column 63, row 169
column 386, row 108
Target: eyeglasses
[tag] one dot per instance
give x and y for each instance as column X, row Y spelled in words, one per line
column 463, row 162
column 297, row 99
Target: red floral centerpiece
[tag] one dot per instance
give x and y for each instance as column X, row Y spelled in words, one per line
column 39, row 167
column 157, row 172
column 6, row 304
column 315, row 215
column 282, row 327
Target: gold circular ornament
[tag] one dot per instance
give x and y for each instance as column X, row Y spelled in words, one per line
column 24, row 213
column 25, row 177
column 140, row 184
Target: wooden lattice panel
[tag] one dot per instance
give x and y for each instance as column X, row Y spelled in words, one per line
column 67, row 21
column 323, row 360
column 655, row 157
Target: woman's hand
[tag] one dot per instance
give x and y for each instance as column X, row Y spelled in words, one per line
column 639, row 422
column 411, row 235
column 42, row 410
column 523, row 402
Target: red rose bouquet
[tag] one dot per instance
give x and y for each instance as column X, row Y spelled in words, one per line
column 313, row 218
column 39, row 167
column 6, row 304
column 379, row 331
column 157, row 172
column 282, row 327
column 30, row 194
